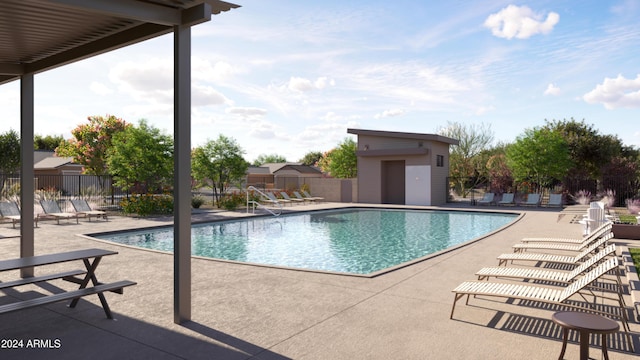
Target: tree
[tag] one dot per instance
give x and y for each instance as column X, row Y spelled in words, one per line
column 218, row 163
column 464, row 165
column 47, row 142
column 270, row 158
column 9, row 152
column 141, row 156
column 341, row 162
column 311, row 158
column 589, row 150
column 91, row 143
column 497, row 169
column 541, row 156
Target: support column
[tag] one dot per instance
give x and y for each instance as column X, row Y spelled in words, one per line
column 27, row 187
column 182, row 174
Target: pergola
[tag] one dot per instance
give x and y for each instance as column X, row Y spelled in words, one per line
column 39, row 35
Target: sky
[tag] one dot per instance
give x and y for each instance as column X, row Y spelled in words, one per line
column 289, row 77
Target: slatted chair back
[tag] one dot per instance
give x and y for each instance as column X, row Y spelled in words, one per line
column 589, row 277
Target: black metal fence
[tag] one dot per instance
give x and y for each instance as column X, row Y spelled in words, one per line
column 619, row 188
column 98, row 188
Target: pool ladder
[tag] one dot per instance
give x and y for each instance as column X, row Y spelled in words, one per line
column 254, row 204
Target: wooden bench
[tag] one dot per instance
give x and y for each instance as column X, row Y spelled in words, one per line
column 49, row 259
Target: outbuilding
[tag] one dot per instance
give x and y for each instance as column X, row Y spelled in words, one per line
column 402, row 168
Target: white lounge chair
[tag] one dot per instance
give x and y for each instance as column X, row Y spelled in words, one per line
column 550, row 258
column 312, row 198
column 548, row 295
column 274, row 200
column 487, row 199
column 507, row 199
column 601, row 231
column 562, row 246
column 536, row 273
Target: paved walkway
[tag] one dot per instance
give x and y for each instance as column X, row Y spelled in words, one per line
column 251, row 312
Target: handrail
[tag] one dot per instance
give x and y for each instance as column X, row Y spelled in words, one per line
column 257, row 204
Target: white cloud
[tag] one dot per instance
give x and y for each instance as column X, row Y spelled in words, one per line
column 100, row 88
column 303, row 85
column 520, row 22
column 552, row 89
column 206, row 95
column 616, row 93
column 390, row 113
column 484, row 109
column 246, row 111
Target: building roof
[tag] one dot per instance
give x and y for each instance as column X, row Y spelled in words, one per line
column 404, row 135
column 258, row 170
column 302, row 169
column 273, row 167
column 39, row 35
column 54, row 162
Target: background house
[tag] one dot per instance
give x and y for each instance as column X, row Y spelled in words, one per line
column 402, row 168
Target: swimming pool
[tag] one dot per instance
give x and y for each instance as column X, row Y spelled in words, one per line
column 352, row 240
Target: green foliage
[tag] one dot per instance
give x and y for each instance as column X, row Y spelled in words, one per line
column 231, row 201
column 9, row 152
column 311, row 158
column 218, row 163
column 141, row 156
column 465, row 161
column 148, row 204
column 47, row 142
column 635, row 255
column 197, row 201
column 588, row 149
column 541, row 156
column 270, row 158
column 341, row 162
column 91, row 143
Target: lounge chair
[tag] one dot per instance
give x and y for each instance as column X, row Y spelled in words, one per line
column 274, row 200
column 298, row 196
column 82, row 207
column 562, row 246
column 604, row 229
column 312, row 198
column 287, row 197
column 550, row 258
column 555, row 200
column 535, row 273
column 507, row 199
column 487, row 199
column 52, row 209
column 10, row 210
column 532, row 200
column 547, row 295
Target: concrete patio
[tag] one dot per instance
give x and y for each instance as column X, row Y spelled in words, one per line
column 251, row 312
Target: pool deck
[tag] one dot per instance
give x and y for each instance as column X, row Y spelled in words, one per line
column 251, row 312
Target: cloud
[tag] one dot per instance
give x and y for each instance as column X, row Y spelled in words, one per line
column 484, row 109
column 552, row 90
column 616, row 93
column 520, row 22
column 303, row 85
column 390, row 113
column 100, row 88
column 246, row 111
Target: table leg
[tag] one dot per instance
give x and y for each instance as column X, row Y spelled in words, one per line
column 604, row 347
column 584, row 345
column 565, row 336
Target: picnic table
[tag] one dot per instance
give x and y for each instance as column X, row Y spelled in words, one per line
column 88, row 284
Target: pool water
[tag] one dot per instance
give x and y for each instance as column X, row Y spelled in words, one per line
column 357, row 241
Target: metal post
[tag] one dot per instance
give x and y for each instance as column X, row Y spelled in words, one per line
column 27, row 187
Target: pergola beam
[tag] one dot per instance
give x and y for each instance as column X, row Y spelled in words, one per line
column 141, row 11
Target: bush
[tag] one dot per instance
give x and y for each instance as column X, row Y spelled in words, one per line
column 231, row 201
column 197, row 201
column 148, row 204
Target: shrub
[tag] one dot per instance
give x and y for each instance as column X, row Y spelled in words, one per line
column 148, row 204
column 633, row 205
column 608, row 198
column 231, row 201
column 197, row 201
column 583, row 197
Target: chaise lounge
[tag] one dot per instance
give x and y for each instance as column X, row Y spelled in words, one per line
column 81, row 206
column 10, row 210
column 52, row 210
